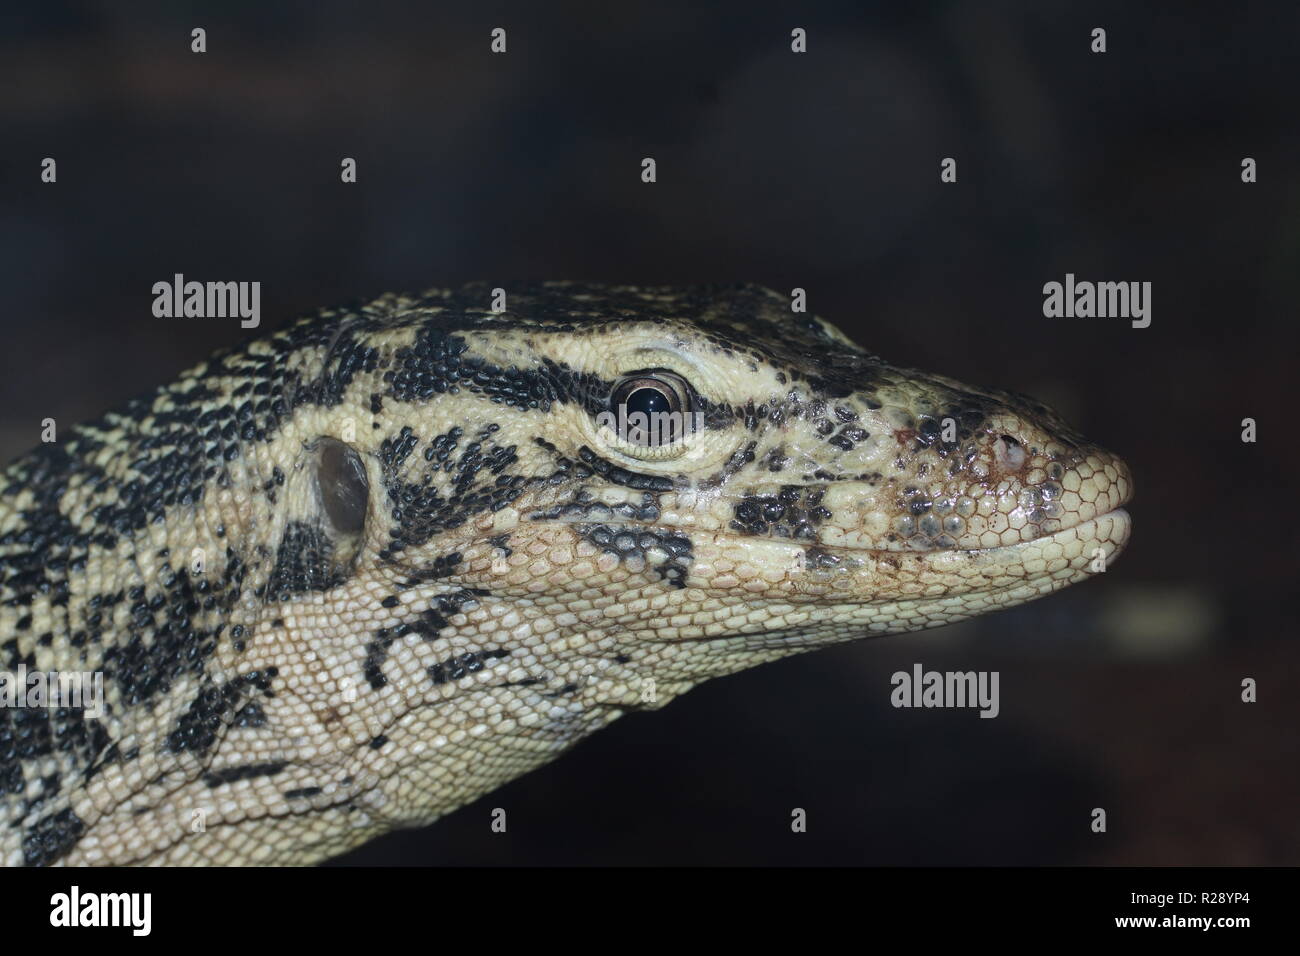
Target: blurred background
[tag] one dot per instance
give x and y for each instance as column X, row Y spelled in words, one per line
column 821, row 171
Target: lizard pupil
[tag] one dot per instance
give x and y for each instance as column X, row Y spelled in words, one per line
column 649, row 401
column 344, row 489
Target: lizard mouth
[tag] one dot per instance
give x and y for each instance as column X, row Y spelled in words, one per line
column 838, row 575
column 1042, row 564
column 1103, row 536
column 863, row 571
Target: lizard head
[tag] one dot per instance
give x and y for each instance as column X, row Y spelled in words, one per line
column 355, row 573
column 475, row 537
column 651, row 471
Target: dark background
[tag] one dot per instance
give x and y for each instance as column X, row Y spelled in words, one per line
column 821, row 171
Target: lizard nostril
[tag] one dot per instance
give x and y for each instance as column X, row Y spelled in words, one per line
column 1008, row 453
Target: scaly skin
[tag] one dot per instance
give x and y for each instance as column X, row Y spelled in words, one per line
column 283, row 685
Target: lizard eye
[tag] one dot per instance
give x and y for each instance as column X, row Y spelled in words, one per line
column 344, row 489
column 651, row 407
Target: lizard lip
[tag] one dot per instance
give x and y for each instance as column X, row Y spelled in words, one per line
column 1035, row 566
column 1115, row 526
column 841, row 575
column 1063, row 556
column 1120, row 535
column 1120, row 527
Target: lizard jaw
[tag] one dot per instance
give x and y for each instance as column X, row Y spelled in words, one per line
column 842, row 575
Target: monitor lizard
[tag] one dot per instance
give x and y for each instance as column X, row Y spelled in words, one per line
column 355, row 573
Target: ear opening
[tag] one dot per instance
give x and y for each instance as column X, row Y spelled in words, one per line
column 343, row 486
